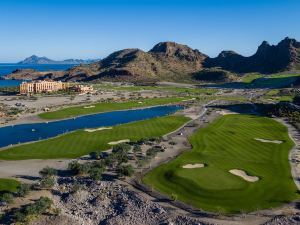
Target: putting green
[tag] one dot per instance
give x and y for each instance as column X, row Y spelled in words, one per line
column 229, row 143
column 9, row 185
column 79, row 143
column 108, row 106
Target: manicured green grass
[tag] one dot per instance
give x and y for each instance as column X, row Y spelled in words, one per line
column 275, row 95
column 275, row 81
column 105, row 107
column 249, row 78
column 81, row 142
column 228, row 143
column 8, row 185
column 158, row 88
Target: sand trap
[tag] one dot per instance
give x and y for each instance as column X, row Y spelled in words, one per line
column 193, row 166
column 140, row 102
column 118, row 142
column 223, row 112
column 268, row 141
column 88, row 107
column 97, row 129
column 244, row 175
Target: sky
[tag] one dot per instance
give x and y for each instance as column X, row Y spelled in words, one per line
column 88, row 29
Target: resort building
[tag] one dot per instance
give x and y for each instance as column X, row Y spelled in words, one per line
column 83, row 88
column 42, row 87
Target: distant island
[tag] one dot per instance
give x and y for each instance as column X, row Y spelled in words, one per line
column 44, row 60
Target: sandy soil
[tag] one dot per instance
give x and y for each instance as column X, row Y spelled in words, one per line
column 118, row 142
column 225, row 112
column 28, row 170
column 193, row 166
column 268, row 141
column 89, row 107
column 98, row 129
column 244, row 175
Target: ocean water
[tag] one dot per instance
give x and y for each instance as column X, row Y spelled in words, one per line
column 38, row 131
column 7, row 68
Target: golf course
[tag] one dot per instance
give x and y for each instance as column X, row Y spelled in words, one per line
column 108, row 106
column 238, row 163
column 8, row 185
column 82, row 142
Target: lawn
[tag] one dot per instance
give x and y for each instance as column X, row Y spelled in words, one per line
column 249, row 78
column 79, row 143
column 157, row 88
column 108, row 106
column 228, row 143
column 9, row 185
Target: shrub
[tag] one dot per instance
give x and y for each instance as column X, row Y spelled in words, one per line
column 47, row 182
column 39, row 207
column 48, row 172
column 137, row 148
column 23, row 189
column 96, row 172
column 7, row 198
column 121, row 148
column 125, row 170
column 77, row 168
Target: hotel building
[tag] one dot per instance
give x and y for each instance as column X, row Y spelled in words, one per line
column 42, row 86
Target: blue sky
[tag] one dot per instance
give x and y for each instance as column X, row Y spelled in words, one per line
column 62, row 29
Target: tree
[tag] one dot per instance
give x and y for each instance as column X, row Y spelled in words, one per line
column 125, row 170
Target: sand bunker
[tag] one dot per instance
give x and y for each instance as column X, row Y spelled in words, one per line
column 97, row 129
column 244, row 175
column 268, row 141
column 193, row 166
column 118, row 142
column 88, row 107
column 223, row 112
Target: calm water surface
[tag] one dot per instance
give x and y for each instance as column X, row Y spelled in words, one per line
column 38, row 131
column 7, row 68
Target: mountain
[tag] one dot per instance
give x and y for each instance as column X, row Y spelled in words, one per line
column 170, row 61
column 285, row 56
column 165, row 61
column 44, row 60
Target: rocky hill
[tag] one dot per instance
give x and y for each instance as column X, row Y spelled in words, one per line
column 170, row 61
column 268, row 58
column 44, row 60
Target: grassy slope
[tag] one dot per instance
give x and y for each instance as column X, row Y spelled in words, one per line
column 80, row 142
column 105, row 107
column 226, row 144
column 8, row 185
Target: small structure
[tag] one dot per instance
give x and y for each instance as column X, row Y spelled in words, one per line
column 83, row 88
column 42, row 87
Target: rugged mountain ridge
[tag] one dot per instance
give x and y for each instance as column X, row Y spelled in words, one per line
column 268, row 58
column 44, row 60
column 176, row 62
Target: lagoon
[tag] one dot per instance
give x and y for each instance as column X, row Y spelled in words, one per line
column 11, row 135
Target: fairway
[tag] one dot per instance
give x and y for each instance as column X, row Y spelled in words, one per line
column 79, row 143
column 108, row 106
column 228, row 144
column 9, row 185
